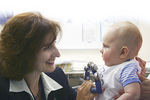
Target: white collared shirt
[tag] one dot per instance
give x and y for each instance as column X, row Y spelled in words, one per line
column 48, row 83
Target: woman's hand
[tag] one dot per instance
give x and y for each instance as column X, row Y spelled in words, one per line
column 84, row 91
column 142, row 64
column 145, row 88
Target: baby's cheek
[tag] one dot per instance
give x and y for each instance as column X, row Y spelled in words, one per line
column 105, row 57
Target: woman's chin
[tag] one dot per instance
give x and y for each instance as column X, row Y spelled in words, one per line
column 51, row 69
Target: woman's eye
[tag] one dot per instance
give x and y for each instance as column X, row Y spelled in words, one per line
column 47, row 47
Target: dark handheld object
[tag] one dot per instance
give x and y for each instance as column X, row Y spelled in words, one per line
column 92, row 67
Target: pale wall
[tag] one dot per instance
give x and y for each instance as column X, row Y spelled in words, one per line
column 94, row 55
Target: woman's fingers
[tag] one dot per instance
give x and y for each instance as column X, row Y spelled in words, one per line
column 141, row 77
column 84, row 91
column 142, row 64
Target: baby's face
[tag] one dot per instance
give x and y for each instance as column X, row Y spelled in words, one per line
column 111, row 48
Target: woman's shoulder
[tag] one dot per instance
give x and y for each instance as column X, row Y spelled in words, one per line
column 60, row 94
column 59, row 76
column 4, row 82
column 58, row 71
column 4, row 87
column 58, row 68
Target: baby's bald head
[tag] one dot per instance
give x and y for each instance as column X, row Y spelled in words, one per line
column 128, row 35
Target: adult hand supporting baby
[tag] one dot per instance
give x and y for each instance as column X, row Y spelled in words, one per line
column 142, row 64
column 145, row 88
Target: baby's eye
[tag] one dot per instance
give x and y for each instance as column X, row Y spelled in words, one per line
column 105, row 46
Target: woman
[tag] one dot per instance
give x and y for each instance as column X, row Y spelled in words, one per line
column 27, row 56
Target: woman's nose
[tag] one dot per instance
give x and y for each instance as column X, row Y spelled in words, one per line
column 56, row 52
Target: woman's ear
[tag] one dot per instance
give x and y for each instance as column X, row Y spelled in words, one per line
column 124, row 52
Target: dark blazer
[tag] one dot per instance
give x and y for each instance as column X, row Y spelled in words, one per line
column 65, row 93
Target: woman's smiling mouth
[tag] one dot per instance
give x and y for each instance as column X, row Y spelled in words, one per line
column 50, row 62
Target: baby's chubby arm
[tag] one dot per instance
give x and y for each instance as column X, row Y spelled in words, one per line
column 132, row 92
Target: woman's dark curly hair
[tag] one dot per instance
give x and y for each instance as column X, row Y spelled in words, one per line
column 20, row 40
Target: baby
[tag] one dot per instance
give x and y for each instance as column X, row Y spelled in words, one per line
column 121, row 44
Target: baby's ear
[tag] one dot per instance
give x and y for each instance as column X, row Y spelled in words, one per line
column 124, row 52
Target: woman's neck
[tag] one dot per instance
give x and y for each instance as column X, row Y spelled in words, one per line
column 32, row 80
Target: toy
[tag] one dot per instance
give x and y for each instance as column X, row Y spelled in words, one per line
column 93, row 67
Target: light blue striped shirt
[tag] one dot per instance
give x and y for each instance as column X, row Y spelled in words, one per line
column 129, row 74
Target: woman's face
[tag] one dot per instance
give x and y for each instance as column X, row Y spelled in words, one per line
column 46, row 56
